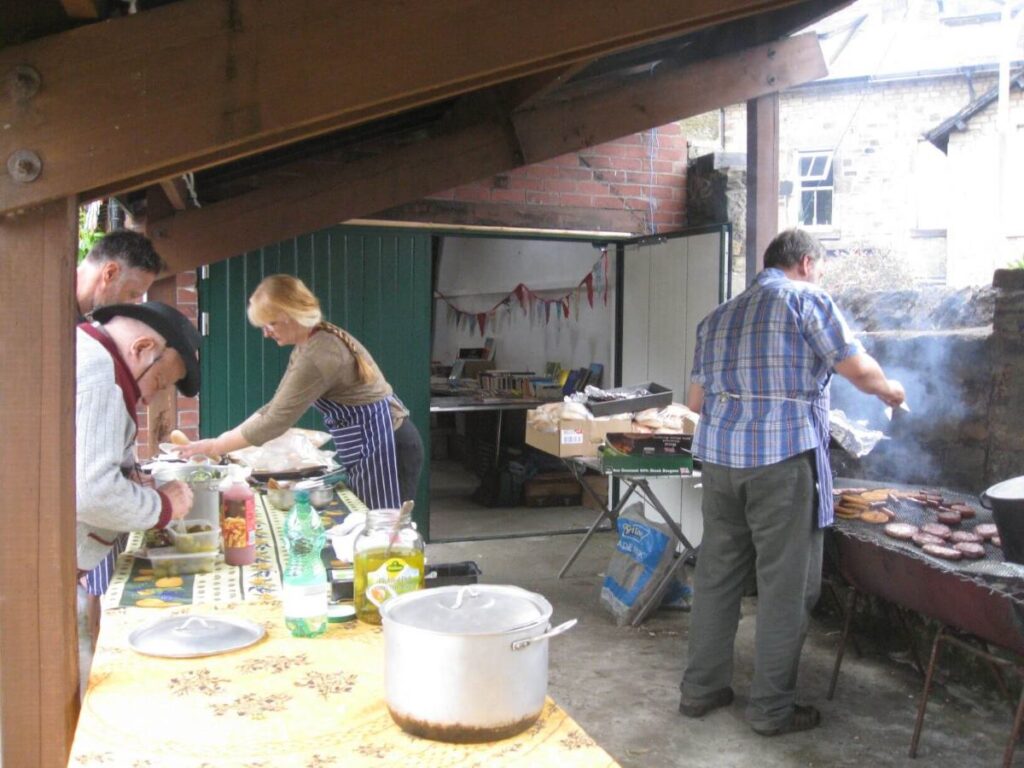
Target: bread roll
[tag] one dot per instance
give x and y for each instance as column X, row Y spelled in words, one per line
column 179, row 438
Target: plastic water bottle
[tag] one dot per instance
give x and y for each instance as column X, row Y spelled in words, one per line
column 305, row 578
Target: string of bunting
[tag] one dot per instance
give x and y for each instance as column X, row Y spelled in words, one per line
column 533, row 305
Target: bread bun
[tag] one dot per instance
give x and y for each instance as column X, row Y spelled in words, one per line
column 179, row 438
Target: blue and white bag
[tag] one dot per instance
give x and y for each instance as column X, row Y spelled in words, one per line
column 644, row 554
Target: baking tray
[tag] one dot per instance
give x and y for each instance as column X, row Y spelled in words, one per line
column 261, row 476
column 660, row 397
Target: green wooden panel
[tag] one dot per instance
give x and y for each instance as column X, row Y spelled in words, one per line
column 374, row 283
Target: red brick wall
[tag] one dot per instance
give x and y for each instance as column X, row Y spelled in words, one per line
column 187, row 300
column 188, row 303
column 634, row 184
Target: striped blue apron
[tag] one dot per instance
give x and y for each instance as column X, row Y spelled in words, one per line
column 364, row 438
column 820, row 407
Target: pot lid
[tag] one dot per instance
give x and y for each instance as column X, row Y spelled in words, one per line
column 184, row 637
column 1008, row 490
column 481, row 609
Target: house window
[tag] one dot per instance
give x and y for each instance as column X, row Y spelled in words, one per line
column 816, row 189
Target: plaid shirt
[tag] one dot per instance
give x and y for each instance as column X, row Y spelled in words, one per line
column 765, row 359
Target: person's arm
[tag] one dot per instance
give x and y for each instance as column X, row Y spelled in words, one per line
column 225, row 442
column 864, row 372
column 105, row 498
column 300, row 386
column 695, row 399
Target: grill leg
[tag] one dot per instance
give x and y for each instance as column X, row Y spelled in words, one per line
column 851, row 604
column 927, row 689
column 1015, row 733
column 998, row 674
column 902, row 614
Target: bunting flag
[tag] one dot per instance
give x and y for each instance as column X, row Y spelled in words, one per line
column 533, row 305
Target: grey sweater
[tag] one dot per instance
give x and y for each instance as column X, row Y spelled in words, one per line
column 108, row 503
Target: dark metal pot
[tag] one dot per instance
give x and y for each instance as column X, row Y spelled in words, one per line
column 467, row 664
column 1006, row 500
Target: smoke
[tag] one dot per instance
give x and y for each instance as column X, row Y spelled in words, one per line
column 930, row 368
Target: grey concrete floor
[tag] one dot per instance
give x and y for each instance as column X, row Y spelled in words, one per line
column 621, row 684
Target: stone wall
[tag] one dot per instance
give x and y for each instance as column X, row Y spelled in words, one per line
column 1006, row 415
column 716, row 192
column 964, row 380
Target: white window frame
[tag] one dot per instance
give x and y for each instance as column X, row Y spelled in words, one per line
column 816, row 183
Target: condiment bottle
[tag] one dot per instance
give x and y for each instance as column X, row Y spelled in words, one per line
column 388, row 560
column 238, row 524
column 305, row 588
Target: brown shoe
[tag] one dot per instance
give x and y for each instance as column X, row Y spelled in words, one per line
column 720, row 698
column 804, row 718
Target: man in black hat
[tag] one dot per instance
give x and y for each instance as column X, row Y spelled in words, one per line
column 130, row 352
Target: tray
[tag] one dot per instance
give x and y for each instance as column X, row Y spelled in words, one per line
column 261, row 476
column 660, row 397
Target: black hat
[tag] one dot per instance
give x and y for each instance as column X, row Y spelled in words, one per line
column 177, row 330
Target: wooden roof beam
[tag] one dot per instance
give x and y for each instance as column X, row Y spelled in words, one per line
column 312, row 194
column 656, row 100
column 195, row 83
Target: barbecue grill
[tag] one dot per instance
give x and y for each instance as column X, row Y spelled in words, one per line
column 983, row 599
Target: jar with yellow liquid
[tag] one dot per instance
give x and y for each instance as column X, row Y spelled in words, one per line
column 388, row 560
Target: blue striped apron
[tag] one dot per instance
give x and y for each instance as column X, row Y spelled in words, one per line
column 820, row 406
column 364, row 438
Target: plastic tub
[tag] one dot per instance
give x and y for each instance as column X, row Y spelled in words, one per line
column 188, row 539
column 169, row 562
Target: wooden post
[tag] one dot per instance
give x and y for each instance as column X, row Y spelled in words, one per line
column 762, row 178
column 38, row 627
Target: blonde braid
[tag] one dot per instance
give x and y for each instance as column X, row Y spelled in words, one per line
column 364, row 366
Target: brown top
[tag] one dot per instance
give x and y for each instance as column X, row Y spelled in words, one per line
column 322, row 367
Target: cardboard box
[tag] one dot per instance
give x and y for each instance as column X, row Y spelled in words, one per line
column 576, row 437
column 633, row 444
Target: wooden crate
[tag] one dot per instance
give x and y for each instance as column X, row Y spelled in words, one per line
column 556, row 489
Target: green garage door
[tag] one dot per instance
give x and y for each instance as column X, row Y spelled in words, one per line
column 373, row 283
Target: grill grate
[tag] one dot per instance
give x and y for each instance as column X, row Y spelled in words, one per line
column 991, row 572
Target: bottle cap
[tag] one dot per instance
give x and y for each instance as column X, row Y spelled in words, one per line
column 302, row 496
column 340, row 612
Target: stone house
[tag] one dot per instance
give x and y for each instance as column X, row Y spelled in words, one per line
column 899, row 148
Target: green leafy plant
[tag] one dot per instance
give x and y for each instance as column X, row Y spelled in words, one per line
column 1018, row 264
column 87, row 238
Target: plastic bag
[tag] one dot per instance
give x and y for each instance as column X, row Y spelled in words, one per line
column 291, row 451
column 644, row 554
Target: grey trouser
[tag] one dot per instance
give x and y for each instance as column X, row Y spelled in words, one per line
column 760, row 518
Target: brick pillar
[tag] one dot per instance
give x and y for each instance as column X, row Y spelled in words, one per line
column 188, row 303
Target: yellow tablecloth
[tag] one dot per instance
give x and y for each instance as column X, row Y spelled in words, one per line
column 282, row 703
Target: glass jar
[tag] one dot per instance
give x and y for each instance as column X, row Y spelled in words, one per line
column 388, row 561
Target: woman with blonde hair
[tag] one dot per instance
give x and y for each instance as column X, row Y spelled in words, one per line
column 329, row 369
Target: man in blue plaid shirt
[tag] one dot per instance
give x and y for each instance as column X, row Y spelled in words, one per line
column 760, row 381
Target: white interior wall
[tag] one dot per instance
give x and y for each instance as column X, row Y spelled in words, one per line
column 669, row 288
column 476, row 273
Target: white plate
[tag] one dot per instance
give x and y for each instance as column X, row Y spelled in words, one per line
column 169, row 448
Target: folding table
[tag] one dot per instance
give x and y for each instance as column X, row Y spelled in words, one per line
column 636, row 481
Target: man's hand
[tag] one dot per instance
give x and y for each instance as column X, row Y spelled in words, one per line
column 894, row 394
column 180, row 495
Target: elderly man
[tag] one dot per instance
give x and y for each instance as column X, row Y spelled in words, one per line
column 119, row 269
column 760, row 379
column 126, row 356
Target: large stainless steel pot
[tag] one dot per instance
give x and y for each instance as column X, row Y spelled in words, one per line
column 1006, row 500
column 467, row 664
